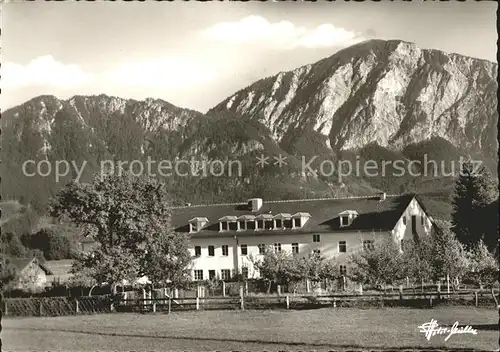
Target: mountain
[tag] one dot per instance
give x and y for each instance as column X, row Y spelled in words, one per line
column 378, row 101
column 389, row 92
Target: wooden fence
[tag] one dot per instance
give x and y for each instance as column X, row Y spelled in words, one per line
column 401, row 299
column 56, row 306
column 59, row 306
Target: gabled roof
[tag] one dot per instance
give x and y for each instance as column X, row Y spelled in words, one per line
column 228, row 218
column 374, row 215
column 247, row 217
column 198, row 218
column 283, row 216
column 301, row 214
column 346, row 212
column 264, row 217
column 23, row 263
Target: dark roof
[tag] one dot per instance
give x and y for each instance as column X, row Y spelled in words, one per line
column 374, row 215
column 22, row 263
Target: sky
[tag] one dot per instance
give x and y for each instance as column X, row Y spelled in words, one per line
column 195, row 54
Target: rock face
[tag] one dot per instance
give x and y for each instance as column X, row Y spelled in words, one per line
column 38, row 116
column 389, row 92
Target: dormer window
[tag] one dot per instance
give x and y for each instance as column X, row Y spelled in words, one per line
column 282, row 221
column 227, row 223
column 299, row 219
column 344, row 220
column 196, row 224
column 346, row 217
column 264, row 222
column 246, row 222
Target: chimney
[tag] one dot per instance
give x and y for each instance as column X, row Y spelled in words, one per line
column 255, row 204
column 383, row 195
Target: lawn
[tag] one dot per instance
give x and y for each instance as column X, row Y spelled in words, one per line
column 318, row 329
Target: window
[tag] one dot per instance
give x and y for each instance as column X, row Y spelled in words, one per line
column 197, row 251
column 342, row 247
column 344, row 220
column 262, row 249
column 244, row 272
column 279, row 223
column 193, row 227
column 211, row 251
column 316, row 251
column 277, row 247
column 422, row 220
column 260, row 224
column 244, row 249
column 198, row 275
column 404, row 219
column 225, row 250
column 233, row 225
column 414, row 224
column 367, row 245
column 250, row 225
column 225, row 274
column 295, row 248
column 269, row 224
column 211, row 274
column 243, row 224
column 316, row 238
column 343, row 270
column 296, row 222
column 224, row 226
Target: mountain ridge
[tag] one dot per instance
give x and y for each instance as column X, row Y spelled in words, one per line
column 339, row 108
column 337, row 95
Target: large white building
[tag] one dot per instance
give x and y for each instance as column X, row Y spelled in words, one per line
column 224, row 237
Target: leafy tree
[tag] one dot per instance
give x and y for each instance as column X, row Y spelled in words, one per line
column 379, row 265
column 54, row 246
column 112, row 267
column 130, row 220
column 12, row 245
column 417, row 259
column 474, row 191
column 448, row 254
column 8, row 273
column 167, row 260
column 483, row 267
column 280, row 268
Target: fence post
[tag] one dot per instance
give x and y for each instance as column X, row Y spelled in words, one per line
column 154, row 306
column 361, row 289
column 169, row 304
column 401, row 292
column 246, row 287
column 197, row 303
column 448, row 284
column 242, row 302
column 334, row 302
column 77, row 306
column 308, row 286
column 287, row 302
column 476, row 298
column 40, row 310
column 223, row 289
column 279, row 290
column 430, row 300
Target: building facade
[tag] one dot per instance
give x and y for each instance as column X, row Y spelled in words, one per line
column 225, row 239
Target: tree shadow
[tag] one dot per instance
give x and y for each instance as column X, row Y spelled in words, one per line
column 255, row 341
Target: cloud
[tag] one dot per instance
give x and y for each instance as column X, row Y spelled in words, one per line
column 283, row 34
column 44, row 70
